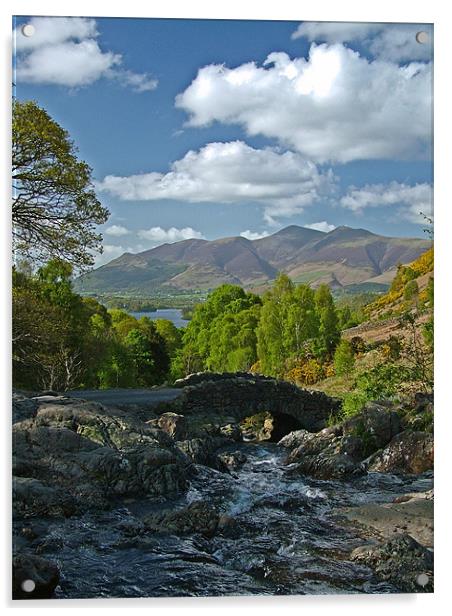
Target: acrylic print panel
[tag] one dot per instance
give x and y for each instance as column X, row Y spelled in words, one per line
column 223, row 308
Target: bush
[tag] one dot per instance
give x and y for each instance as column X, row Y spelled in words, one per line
column 306, row 372
column 353, row 403
column 344, row 359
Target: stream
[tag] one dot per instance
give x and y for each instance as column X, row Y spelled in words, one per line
column 287, row 540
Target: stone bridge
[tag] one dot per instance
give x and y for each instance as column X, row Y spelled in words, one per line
column 241, row 394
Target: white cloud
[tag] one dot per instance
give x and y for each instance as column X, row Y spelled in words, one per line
column 321, row 226
column 333, row 106
column 396, row 42
column 64, row 51
column 253, row 235
column 159, row 236
column 410, row 201
column 116, row 231
column 283, row 183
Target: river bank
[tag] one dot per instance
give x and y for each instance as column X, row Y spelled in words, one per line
column 125, row 502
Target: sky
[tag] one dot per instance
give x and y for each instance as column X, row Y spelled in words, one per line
column 213, row 128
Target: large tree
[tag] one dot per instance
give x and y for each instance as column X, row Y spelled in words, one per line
column 55, row 210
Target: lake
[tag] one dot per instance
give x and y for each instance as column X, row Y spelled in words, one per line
column 171, row 314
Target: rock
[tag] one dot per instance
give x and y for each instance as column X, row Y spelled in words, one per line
column 34, row 498
column 231, row 431
column 173, row 424
column 202, row 450
column 198, row 517
column 409, row 452
column 401, row 561
column 228, row 526
column 233, row 460
column 327, row 465
column 23, row 407
column 412, row 514
column 295, row 439
column 80, row 455
column 376, row 424
column 44, row 574
column 326, row 456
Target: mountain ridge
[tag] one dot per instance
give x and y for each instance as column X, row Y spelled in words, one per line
column 341, row 257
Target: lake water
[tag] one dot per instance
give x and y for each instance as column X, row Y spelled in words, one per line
column 171, row 314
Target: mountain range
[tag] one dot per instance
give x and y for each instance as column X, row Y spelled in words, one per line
column 341, row 258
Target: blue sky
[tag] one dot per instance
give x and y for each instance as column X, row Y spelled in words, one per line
column 200, row 128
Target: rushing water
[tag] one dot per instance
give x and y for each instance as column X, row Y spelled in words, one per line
column 171, row 314
column 287, row 540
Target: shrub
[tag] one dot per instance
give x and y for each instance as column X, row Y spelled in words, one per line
column 344, row 359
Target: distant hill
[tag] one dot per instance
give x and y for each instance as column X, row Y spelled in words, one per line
column 342, row 257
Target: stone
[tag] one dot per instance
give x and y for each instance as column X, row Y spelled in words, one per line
column 233, row 460
column 409, row 452
column 232, row 431
column 77, row 456
column 202, row 450
column 198, row 517
column 295, row 439
column 32, row 498
column 44, row 574
column 376, row 423
column 401, row 561
column 23, row 407
column 173, row 424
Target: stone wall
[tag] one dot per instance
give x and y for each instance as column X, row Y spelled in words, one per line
column 242, row 395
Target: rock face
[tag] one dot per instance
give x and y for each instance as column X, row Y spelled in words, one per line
column 79, row 455
column 408, row 452
column 402, row 561
column 245, row 394
column 29, row 568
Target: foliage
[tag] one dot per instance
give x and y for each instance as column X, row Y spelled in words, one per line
column 306, row 372
column 344, row 358
column 55, row 210
column 221, row 336
column 62, row 341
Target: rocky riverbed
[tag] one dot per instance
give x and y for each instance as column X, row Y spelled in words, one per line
column 121, row 502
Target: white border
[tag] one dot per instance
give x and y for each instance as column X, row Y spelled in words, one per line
column 328, row 10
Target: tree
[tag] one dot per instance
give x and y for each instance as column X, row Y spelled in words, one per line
column 344, row 359
column 55, row 209
column 329, row 322
column 271, row 338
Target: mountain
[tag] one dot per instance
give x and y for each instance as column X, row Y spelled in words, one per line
column 342, row 257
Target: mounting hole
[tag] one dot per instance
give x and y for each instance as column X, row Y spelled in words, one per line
column 28, row 30
column 422, row 579
column 28, row 586
column 422, row 37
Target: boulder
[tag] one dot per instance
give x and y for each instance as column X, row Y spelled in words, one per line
column 199, row 517
column 79, row 455
column 173, row 424
column 233, row 460
column 408, row 453
column 23, row 407
column 34, row 498
column 295, row 439
column 29, row 569
column 402, row 561
column 326, row 456
column 202, row 450
column 376, row 423
column 232, row 431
